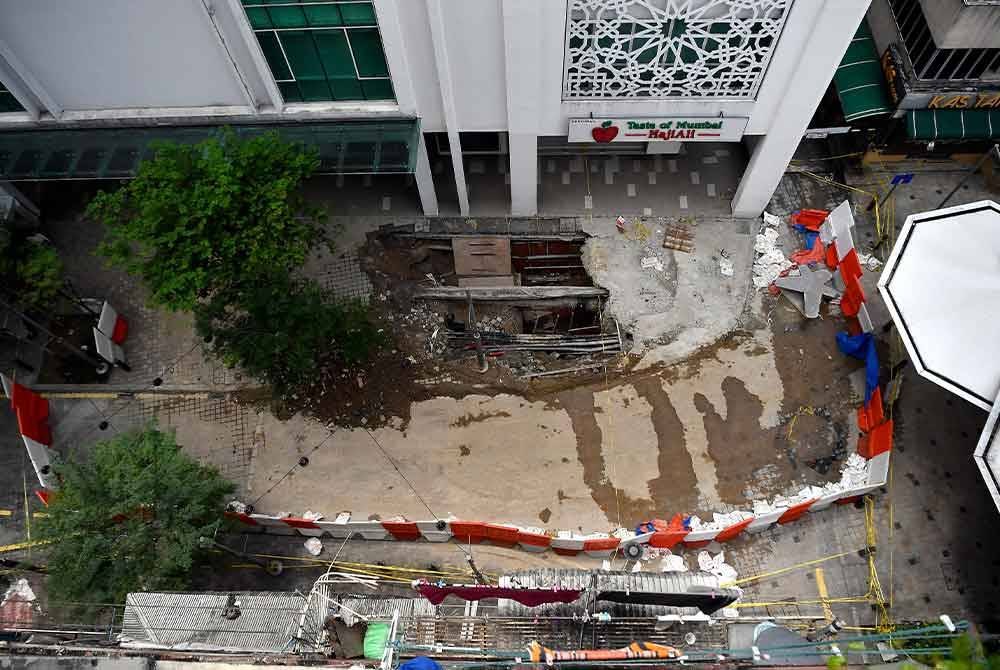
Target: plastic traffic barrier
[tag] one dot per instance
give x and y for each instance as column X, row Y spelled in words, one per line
column 406, row 531
column 567, row 543
column 795, row 511
column 600, row 547
column 728, row 533
column 534, row 540
column 877, row 441
column 873, row 414
column 764, row 521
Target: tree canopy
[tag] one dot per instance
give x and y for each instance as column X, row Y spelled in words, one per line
column 222, row 229
column 128, row 518
column 30, row 271
column 305, row 331
column 222, row 213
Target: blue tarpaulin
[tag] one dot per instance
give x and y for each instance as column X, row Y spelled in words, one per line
column 862, row 347
column 811, row 235
column 420, row 663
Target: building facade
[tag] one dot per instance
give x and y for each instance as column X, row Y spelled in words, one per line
column 375, row 84
column 941, row 61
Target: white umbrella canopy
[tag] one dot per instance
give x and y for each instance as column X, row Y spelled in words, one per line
column 942, row 287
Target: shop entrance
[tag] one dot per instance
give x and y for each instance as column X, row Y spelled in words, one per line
column 623, row 179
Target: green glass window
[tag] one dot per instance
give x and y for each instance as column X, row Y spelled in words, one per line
column 8, row 103
column 320, row 50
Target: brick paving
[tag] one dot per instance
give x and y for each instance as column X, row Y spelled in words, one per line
column 160, row 344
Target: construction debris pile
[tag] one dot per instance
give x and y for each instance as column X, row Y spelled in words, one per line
column 522, row 303
column 498, row 343
column 770, row 260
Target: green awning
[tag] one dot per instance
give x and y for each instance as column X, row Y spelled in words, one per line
column 953, row 124
column 362, row 147
column 859, row 80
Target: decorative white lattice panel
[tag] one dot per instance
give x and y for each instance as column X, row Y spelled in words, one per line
column 668, row 48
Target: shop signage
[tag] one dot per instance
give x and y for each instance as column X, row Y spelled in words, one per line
column 990, row 100
column 660, row 129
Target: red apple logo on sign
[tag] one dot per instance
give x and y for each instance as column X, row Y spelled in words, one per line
column 605, row 133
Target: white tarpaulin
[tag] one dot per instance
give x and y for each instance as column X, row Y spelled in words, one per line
column 942, row 287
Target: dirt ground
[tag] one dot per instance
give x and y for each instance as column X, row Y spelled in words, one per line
column 764, row 411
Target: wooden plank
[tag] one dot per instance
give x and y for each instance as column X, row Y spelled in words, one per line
column 511, row 293
column 500, row 280
column 479, row 256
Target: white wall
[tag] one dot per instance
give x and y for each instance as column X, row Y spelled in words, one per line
column 102, row 54
column 125, row 54
column 474, row 33
column 416, row 40
column 475, row 46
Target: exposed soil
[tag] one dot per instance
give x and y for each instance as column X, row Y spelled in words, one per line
column 675, row 487
column 737, row 444
column 816, row 396
column 370, row 395
column 817, row 391
column 579, row 404
column 468, row 419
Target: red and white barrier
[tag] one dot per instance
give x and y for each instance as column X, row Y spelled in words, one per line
column 765, row 516
column 533, row 539
column 32, row 411
column 859, row 477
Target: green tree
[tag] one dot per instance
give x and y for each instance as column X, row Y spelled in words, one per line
column 220, row 229
column 215, row 215
column 128, row 518
column 305, row 331
column 32, row 272
column 967, row 654
column 41, row 275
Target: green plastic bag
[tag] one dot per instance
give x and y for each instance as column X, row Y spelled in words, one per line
column 375, row 639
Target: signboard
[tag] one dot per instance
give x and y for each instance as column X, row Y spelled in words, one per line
column 660, row 129
column 990, row 100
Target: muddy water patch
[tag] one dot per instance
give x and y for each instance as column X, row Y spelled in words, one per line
column 675, row 487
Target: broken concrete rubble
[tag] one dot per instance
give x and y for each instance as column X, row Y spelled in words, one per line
column 770, row 261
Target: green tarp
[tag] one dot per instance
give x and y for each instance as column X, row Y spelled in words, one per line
column 376, row 636
column 859, row 80
column 361, row 147
column 953, row 124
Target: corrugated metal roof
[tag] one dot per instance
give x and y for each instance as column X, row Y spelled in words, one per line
column 268, row 622
column 596, row 582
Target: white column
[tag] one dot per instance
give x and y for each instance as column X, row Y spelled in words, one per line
column 387, row 14
column 393, row 44
column 832, row 30
column 226, row 53
column 32, row 90
column 435, row 18
column 523, row 174
column 425, row 180
column 522, row 53
column 258, row 64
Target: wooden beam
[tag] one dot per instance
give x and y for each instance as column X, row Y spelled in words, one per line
column 491, row 294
